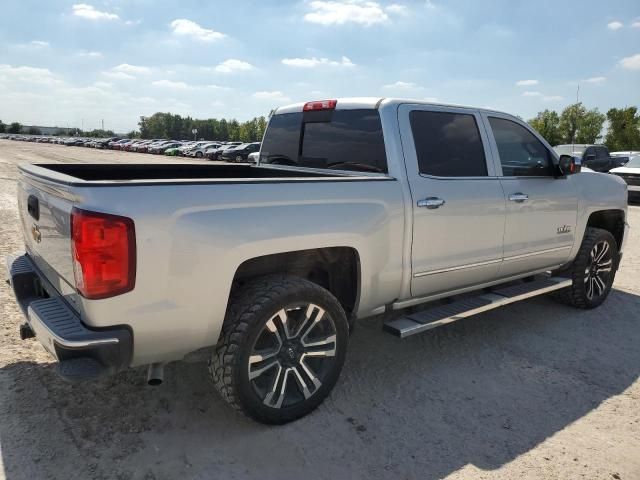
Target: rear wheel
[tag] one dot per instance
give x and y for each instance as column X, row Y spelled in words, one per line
column 199, row 154
column 282, row 348
column 238, row 158
column 593, row 270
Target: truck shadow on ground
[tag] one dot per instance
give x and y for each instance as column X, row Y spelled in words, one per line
column 481, row 391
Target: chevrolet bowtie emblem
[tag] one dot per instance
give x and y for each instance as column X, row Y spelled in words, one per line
column 35, row 233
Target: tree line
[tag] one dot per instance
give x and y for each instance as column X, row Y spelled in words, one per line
column 169, row 125
column 577, row 124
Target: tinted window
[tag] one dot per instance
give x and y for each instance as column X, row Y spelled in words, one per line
column 339, row 139
column 602, row 153
column 521, row 153
column 448, row 144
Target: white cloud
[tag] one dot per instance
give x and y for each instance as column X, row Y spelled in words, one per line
column 118, row 75
column 216, row 87
column 317, row 62
column 276, row 96
column 397, row 9
column 596, row 80
column 402, row 85
column 90, row 54
column 615, row 25
column 631, row 63
column 90, row 13
column 188, row 28
column 102, row 84
column 131, row 69
column 36, row 75
column 38, row 44
column 636, row 24
column 552, row 98
column 233, row 65
column 531, row 94
column 171, row 84
column 526, row 83
column 338, row 13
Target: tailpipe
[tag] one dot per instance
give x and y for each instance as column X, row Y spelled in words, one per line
column 26, row 331
column 155, row 375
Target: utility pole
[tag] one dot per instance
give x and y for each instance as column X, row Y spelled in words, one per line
column 103, row 124
column 578, row 94
column 82, row 125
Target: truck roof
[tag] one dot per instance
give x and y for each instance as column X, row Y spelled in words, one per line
column 352, row 103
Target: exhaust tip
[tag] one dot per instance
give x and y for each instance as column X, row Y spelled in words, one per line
column 26, row 331
column 155, row 374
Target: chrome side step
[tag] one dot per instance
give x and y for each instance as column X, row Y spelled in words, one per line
column 435, row 316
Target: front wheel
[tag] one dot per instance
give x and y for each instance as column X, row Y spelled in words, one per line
column 238, row 158
column 592, row 271
column 199, row 154
column 282, row 347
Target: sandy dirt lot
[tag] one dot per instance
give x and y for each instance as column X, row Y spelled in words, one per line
column 533, row 390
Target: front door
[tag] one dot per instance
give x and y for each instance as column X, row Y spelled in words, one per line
column 541, row 209
column 458, row 202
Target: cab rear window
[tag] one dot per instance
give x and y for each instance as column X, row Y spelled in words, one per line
column 328, row 139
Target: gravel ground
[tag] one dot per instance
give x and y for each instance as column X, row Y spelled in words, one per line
column 533, row 390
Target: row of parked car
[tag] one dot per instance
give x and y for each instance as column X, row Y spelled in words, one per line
column 213, row 150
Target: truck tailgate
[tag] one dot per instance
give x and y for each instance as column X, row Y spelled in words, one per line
column 45, row 213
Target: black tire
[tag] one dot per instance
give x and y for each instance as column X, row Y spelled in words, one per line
column 587, row 292
column 199, row 154
column 254, row 316
column 239, row 159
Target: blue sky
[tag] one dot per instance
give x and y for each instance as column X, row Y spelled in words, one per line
column 64, row 62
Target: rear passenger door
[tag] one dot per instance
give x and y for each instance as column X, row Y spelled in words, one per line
column 541, row 209
column 458, row 205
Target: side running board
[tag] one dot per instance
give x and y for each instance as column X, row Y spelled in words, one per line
column 435, row 316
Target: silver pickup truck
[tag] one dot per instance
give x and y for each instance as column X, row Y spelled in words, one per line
column 357, row 207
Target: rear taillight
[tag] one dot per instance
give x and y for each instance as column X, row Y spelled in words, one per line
column 320, row 105
column 104, row 253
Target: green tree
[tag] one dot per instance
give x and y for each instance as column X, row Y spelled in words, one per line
column 579, row 125
column 570, row 122
column 3, row 127
column 624, row 129
column 15, row 127
column 547, row 123
column 34, row 131
column 590, row 126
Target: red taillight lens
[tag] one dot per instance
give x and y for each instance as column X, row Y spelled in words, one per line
column 104, row 253
column 320, row 105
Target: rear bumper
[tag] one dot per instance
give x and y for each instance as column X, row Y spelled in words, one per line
column 83, row 353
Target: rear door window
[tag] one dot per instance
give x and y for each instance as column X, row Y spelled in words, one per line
column 332, row 139
column 448, row 144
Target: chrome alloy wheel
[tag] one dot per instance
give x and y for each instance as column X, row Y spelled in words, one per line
column 597, row 274
column 292, row 355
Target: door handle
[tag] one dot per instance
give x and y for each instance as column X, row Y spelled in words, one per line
column 431, row 203
column 518, row 197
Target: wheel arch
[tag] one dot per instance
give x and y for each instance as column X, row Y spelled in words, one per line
column 336, row 269
column 611, row 220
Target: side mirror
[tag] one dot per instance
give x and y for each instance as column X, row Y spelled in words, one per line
column 569, row 165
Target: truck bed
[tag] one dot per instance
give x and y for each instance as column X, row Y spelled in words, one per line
column 76, row 174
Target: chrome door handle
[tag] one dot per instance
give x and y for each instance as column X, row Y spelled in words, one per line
column 518, row 197
column 431, row 202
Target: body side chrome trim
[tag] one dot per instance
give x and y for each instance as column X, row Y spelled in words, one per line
column 460, row 267
column 489, row 262
column 539, row 252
